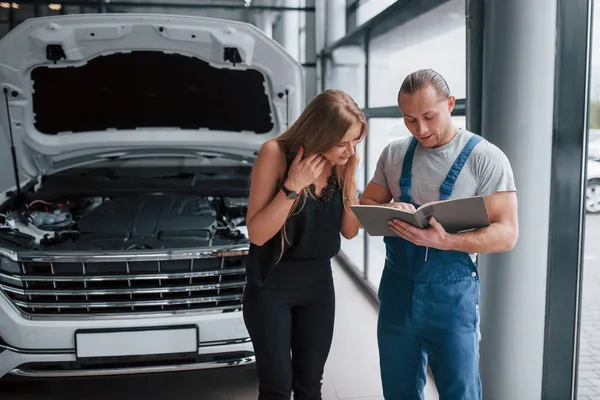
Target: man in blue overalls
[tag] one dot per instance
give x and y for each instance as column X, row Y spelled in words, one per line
column 429, row 290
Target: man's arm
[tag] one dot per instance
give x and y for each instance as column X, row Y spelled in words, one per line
column 501, row 235
column 496, row 185
column 377, row 191
column 375, row 195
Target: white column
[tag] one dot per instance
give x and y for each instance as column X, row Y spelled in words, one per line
column 517, row 116
column 310, row 53
column 291, row 29
column 321, row 24
column 278, row 28
column 336, row 20
column 346, row 71
column 264, row 22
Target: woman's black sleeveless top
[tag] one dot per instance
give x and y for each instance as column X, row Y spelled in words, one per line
column 313, row 239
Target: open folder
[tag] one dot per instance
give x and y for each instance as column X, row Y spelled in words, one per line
column 456, row 215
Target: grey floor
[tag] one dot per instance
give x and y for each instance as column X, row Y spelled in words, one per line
column 589, row 351
column 352, row 371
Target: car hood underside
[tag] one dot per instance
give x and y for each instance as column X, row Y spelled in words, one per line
column 80, row 86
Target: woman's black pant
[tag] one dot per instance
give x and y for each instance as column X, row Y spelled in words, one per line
column 290, row 320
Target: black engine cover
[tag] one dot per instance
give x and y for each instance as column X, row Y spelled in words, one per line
column 160, row 216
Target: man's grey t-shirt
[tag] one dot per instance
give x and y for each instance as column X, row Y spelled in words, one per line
column 486, row 171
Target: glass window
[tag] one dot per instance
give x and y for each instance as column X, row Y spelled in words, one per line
column 335, row 23
column 345, row 70
column 588, row 365
column 354, row 249
column 382, row 131
column 360, row 170
column 370, row 8
column 594, row 145
column 301, row 16
column 302, row 45
column 351, row 15
column 434, row 40
column 320, row 25
column 376, row 260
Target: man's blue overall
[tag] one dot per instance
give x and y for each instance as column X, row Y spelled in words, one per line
column 429, row 309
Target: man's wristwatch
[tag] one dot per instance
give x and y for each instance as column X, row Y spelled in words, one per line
column 290, row 194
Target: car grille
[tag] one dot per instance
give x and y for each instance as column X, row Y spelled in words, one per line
column 60, row 287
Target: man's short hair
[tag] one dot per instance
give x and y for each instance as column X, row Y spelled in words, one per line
column 423, row 78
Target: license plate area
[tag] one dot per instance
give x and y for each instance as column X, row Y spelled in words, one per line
column 136, row 342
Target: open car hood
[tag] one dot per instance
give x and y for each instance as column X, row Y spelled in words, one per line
column 93, row 85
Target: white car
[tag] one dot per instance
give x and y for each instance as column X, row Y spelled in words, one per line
column 124, row 248
column 594, row 145
column 592, row 201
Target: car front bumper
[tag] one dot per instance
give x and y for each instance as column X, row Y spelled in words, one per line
column 48, row 347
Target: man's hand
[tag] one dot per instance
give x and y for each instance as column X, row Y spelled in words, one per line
column 400, row 206
column 435, row 236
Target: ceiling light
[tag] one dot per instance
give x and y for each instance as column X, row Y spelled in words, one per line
column 55, row 7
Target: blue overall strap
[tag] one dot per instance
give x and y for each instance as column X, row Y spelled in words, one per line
column 448, row 185
column 406, row 177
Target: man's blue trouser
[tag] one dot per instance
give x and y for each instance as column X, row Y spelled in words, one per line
column 429, row 310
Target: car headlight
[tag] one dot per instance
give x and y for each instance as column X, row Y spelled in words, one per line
column 9, row 266
column 7, row 269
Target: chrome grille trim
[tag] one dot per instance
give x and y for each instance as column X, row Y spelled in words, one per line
column 118, row 284
column 100, row 314
column 98, row 278
column 126, row 255
column 165, row 302
column 96, row 292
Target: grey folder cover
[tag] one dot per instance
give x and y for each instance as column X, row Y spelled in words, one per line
column 454, row 215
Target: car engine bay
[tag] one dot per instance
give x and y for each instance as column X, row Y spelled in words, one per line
column 132, row 220
column 143, row 222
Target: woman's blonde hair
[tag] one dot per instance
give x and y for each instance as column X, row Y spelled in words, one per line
column 320, row 127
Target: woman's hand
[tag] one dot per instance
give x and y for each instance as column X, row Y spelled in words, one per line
column 349, row 169
column 304, row 172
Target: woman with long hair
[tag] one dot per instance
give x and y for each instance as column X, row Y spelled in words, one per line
column 301, row 189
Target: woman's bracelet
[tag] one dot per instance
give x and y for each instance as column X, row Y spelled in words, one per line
column 352, row 197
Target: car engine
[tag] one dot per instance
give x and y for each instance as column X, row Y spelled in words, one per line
column 142, row 221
